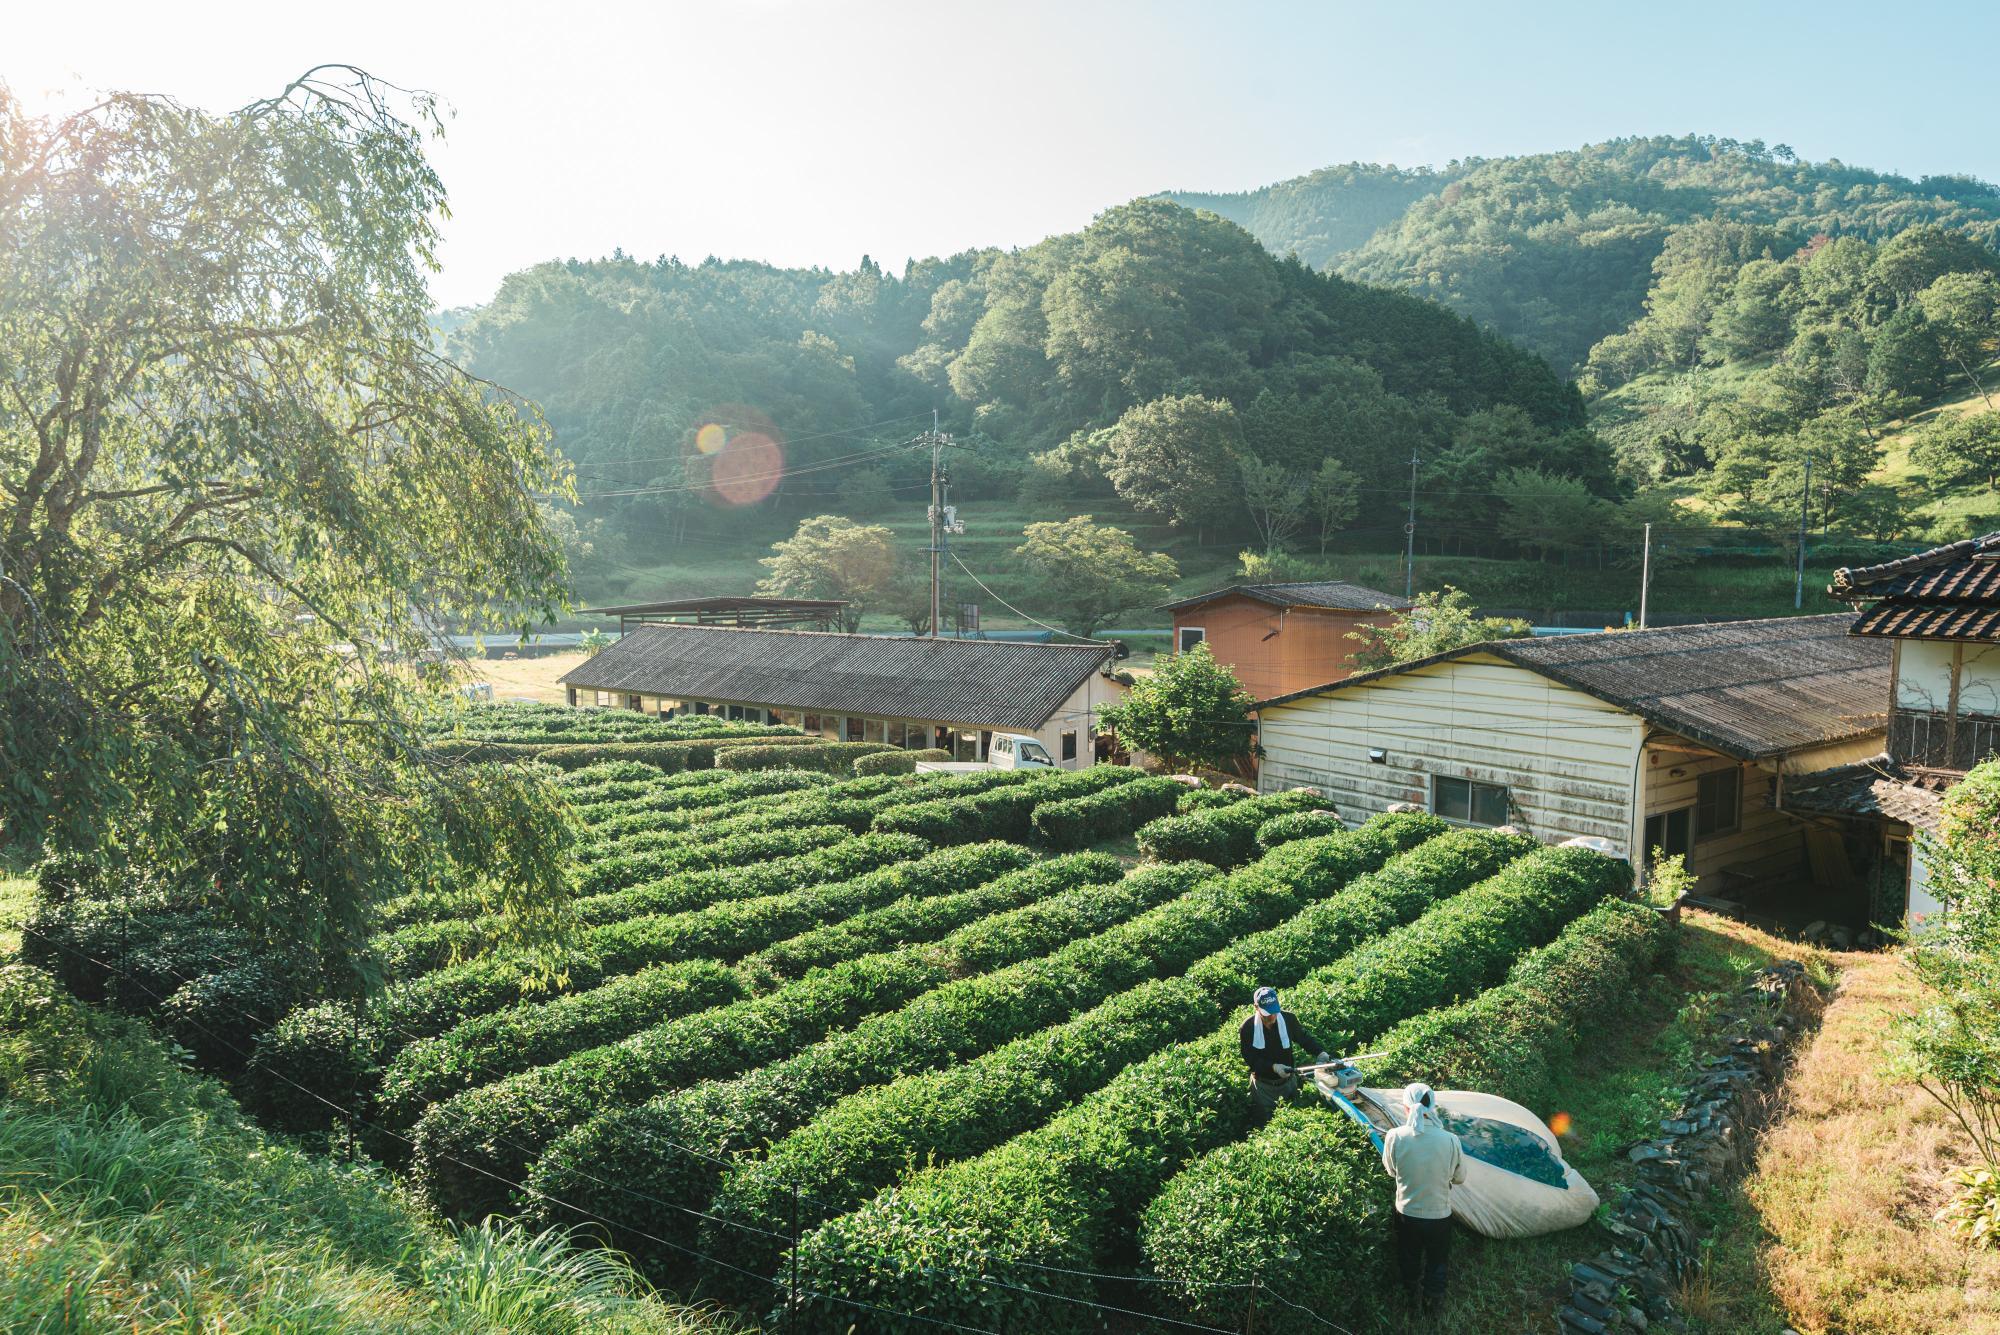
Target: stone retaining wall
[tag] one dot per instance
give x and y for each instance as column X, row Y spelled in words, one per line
column 1630, row 1285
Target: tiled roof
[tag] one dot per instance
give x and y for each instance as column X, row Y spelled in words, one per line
column 1874, row 787
column 976, row 683
column 1751, row 689
column 1330, row 593
column 1947, row 593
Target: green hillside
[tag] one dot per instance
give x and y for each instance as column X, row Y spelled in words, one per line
column 1328, row 213
column 1555, row 250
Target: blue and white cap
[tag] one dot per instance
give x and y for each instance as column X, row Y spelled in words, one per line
column 1265, row 999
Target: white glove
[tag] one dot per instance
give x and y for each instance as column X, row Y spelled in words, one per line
column 1282, row 1071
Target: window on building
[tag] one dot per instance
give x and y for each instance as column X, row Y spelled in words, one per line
column 811, row 725
column 734, row 713
column 965, row 746
column 1188, row 637
column 701, row 707
column 1468, row 800
column 1672, row 832
column 1718, row 803
column 874, row 730
column 1069, row 744
column 855, row 728
column 897, row 732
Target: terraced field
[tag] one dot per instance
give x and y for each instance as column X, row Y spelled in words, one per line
column 898, row 1049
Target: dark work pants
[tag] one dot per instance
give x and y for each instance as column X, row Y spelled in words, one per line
column 1423, row 1246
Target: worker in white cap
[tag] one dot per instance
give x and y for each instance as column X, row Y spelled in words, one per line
column 1426, row 1161
column 1268, row 1038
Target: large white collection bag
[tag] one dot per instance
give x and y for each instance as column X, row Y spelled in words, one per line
column 1516, row 1182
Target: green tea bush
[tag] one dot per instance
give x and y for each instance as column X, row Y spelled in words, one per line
column 826, row 757
column 1076, row 821
column 1296, row 825
column 535, row 1033
column 952, row 1023
column 1006, row 813
column 334, row 1046
column 1069, row 1194
column 1222, row 836
column 861, row 1143
column 616, row 873
column 886, row 762
column 1310, row 1184
column 499, row 1129
column 1204, row 799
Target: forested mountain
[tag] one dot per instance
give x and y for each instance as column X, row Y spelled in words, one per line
column 1555, row 250
column 1245, row 370
column 1324, row 214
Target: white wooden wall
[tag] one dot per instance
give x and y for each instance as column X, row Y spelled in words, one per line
column 1566, row 758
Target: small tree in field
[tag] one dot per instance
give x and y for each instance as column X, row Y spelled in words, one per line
column 1951, row 1048
column 1441, row 620
column 1190, row 711
column 1087, row 573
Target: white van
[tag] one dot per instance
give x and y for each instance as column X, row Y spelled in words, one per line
column 1007, row 750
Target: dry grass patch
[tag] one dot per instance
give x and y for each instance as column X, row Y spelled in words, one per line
column 1831, row 1232
column 532, row 678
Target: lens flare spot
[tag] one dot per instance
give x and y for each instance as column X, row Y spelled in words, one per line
column 711, row 438
column 748, row 467
column 1560, row 1124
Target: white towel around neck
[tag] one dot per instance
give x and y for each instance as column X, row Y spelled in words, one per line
column 1284, row 1034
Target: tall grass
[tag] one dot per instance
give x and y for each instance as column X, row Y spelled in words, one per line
column 134, row 1197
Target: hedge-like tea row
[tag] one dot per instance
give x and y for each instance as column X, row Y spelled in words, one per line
column 827, row 757
column 466, row 1145
column 1205, row 799
column 422, row 948
column 671, row 792
column 678, row 808
column 335, row 1052
column 897, row 762
column 1070, row 1193
column 857, row 802
column 1223, row 836
column 714, row 849
column 939, row 899
column 1306, row 1188
column 864, row 1142
column 1005, row 813
column 1296, row 825
column 544, row 721
column 535, row 1033
column 667, row 757
column 1008, row 1083
column 1106, row 814
column 954, row 1022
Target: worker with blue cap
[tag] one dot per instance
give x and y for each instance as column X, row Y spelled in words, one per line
column 1268, row 1039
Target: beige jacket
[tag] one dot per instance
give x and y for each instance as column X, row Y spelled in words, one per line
column 1426, row 1164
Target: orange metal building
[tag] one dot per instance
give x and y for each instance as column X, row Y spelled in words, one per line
column 1280, row 638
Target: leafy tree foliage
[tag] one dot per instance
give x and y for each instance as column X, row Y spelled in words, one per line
column 1440, row 620
column 1960, row 449
column 1176, row 458
column 833, row 557
column 1189, row 711
column 239, row 491
column 1088, row 573
column 1546, row 512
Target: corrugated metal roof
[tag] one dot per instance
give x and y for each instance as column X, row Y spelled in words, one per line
column 1331, row 593
column 976, row 683
column 1751, row 689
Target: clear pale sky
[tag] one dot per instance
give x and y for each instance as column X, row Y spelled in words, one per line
column 812, row 133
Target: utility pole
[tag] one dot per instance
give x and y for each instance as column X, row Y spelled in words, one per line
column 1805, row 502
column 1410, row 535
column 940, row 523
column 1645, row 576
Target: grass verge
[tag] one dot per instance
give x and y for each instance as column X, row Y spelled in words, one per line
column 1615, row 1094
column 1831, row 1231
